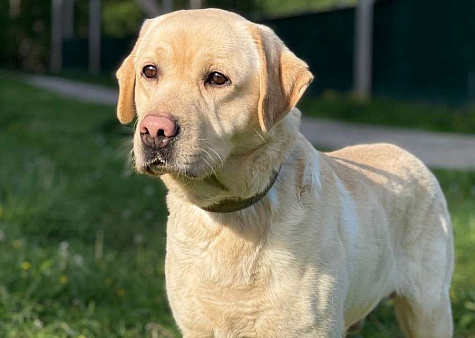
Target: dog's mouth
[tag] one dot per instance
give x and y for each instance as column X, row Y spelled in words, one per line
column 187, row 165
column 155, row 169
column 159, row 167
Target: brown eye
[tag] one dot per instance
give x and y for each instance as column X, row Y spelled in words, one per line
column 217, row 79
column 149, row 71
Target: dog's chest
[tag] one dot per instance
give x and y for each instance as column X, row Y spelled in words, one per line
column 231, row 312
column 224, row 285
column 219, row 292
column 239, row 302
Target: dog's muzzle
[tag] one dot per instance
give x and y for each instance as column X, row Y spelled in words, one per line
column 158, row 133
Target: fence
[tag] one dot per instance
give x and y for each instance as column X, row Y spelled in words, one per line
column 113, row 51
column 425, row 49
column 422, row 49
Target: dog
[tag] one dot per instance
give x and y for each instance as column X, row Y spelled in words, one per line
column 266, row 236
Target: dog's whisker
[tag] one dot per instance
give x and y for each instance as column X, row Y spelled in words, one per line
column 211, row 157
column 260, row 135
column 211, row 167
column 219, row 156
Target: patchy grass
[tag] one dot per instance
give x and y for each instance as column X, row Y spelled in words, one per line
column 386, row 111
column 82, row 241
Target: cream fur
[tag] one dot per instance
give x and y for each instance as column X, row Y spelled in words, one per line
column 337, row 232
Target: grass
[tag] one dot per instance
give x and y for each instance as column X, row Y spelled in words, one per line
column 386, row 111
column 107, row 78
column 82, row 241
column 64, row 190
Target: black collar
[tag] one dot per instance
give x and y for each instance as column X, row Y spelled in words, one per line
column 237, row 204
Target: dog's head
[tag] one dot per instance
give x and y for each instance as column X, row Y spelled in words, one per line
column 201, row 83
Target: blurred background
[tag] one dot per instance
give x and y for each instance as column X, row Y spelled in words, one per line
column 82, row 238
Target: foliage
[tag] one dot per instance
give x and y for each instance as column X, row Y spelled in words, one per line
column 121, row 18
column 285, row 7
column 25, row 34
column 82, row 241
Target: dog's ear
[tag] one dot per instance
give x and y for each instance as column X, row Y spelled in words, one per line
column 283, row 77
column 126, row 77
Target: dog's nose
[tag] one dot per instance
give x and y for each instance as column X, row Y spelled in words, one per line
column 157, row 131
column 158, row 126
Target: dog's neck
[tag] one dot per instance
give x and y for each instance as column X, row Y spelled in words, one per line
column 228, row 205
column 243, row 175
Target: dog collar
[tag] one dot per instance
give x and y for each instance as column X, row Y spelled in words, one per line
column 237, row 204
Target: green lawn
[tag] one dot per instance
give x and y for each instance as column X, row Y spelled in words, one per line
column 82, row 238
column 386, row 111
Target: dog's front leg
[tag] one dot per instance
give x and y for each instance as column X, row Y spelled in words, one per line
column 335, row 331
column 197, row 335
column 325, row 322
column 329, row 321
column 188, row 332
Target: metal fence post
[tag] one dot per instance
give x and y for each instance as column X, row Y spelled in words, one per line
column 167, row 6
column 56, row 37
column 94, row 37
column 363, row 48
column 68, row 19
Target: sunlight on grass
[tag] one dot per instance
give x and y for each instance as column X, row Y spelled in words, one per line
column 82, row 241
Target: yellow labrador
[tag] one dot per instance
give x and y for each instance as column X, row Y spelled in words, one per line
column 268, row 237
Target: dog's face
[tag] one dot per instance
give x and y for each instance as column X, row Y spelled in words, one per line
column 201, row 83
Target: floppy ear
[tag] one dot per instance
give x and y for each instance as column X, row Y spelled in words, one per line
column 126, row 77
column 283, row 77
